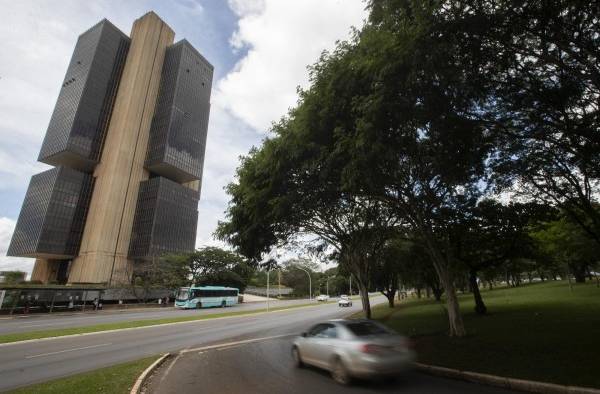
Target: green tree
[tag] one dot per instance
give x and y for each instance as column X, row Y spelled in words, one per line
column 13, row 277
column 569, row 245
column 214, row 266
column 492, row 234
column 537, row 64
column 290, row 188
column 410, row 141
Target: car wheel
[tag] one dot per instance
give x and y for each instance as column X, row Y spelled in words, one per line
column 297, row 358
column 339, row 373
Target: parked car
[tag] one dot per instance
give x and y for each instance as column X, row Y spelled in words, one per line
column 323, row 297
column 353, row 349
column 344, row 301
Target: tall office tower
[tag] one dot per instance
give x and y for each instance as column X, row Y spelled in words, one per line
column 127, row 137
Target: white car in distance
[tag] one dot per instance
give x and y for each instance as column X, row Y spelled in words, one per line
column 323, row 297
column 344, row 301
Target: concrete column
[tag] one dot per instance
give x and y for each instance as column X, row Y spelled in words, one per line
column 41, row 270
column 105, row 243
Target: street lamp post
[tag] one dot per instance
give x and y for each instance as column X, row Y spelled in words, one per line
column 268, row 299
column 327, row 282
column 309, row 282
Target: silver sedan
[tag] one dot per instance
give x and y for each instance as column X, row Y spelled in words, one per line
column 353, row 348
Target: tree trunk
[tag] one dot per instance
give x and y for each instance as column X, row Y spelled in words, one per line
column 390, row 295
column 455, row 320
column 427, row 292
column 418, row 292
column 441, row 265
column 578, row 272
column 457, row 326
column 437, row 293
column 480, row 307
column 364, row 296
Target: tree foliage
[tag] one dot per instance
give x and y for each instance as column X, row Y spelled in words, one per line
column 394, row 154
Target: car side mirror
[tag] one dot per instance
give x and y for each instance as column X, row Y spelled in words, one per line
column 304, row 334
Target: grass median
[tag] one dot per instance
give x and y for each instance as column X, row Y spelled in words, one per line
column 117, row 379
column 541, row 332
column 23, row 336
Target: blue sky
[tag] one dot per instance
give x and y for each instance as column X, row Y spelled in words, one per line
column 259, row 48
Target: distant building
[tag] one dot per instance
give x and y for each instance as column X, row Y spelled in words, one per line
column 127, row 140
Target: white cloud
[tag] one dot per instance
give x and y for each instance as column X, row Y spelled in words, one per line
column 247, row 7
column 282, row 38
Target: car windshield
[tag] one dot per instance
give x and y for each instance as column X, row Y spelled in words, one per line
column 363, row 329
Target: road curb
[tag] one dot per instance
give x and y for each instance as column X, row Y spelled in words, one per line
column 142, row 378
column 530, row 386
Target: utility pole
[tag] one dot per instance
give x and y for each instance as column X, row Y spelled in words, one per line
column 279, row 281
column 268, row 299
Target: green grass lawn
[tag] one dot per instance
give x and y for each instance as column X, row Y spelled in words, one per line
column 540, row 332
column 116, row 379
column 22, row 336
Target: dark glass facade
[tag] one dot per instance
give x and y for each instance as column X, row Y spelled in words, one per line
column 165, row 219
column 53, row 214
column 179, row 127
column 82, row 112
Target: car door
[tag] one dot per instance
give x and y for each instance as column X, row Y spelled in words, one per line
column 309, row 348
column 324, row 345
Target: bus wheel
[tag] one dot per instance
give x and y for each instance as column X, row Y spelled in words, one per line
column 223, row 304
column 198, row 305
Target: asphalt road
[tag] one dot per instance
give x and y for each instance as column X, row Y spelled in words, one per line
column 267, row 367
column 32, row 362
column 38, row 322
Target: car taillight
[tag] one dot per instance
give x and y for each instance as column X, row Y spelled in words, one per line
column 372, row 349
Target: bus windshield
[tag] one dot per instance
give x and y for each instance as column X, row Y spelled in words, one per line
column 183, row 293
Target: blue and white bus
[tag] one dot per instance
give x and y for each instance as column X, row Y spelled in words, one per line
column 206, row 297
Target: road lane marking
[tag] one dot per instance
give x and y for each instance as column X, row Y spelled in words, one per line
column 229, row 344
column 227, row 348
column 69, row 350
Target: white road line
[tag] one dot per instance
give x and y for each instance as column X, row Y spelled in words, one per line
column 69, row 350
column 227, row 344
column 169, row 368
column 227, row 348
